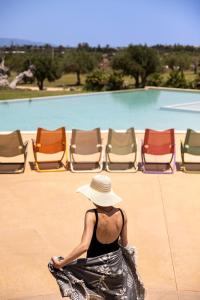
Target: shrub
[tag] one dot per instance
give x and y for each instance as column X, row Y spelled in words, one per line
column 115, row 82
column 100, row 80
column 96, row 80
column 176, row 79
column 154, row 79
column 196, row 83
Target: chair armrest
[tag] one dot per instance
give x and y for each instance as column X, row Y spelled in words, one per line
column 99, row 146
column 25, row 144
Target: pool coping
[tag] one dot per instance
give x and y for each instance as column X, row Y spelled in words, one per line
column 106, row 92
column 70, row 95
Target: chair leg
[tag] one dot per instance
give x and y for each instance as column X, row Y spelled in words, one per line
column 97, row 170
column 133, row 169
column 38, row 169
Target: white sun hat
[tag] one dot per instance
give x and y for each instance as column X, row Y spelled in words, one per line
column 99, row 191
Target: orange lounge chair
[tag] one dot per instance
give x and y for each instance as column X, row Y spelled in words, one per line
column 86, row 143
column 158, row 143
column 50, row 142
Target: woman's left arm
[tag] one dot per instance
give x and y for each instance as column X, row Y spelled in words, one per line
column 84, row 244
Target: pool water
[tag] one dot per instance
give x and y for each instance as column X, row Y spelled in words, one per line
column 118, row 110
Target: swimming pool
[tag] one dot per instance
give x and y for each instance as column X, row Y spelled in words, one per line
column 120, row 110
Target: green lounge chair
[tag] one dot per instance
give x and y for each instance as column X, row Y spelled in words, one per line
column 121, row 144
column 190, row 146
column 11, row 145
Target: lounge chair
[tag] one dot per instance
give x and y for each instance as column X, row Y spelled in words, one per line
column 50, row 142
column 158, row 143
column 191, row 146
column 85, row 143
column 121, row 144
column 11, row 145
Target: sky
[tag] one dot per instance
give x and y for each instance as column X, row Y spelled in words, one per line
column 100, row 22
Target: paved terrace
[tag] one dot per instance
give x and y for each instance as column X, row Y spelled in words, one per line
column 41, row 215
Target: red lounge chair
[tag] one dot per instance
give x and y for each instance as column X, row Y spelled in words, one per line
column 158, row 143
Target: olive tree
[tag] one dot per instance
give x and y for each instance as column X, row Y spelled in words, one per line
column 80, row 62
column 138, row 62
column 45, row 68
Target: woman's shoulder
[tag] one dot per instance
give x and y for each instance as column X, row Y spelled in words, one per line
column 90, row 211
column 90, row 217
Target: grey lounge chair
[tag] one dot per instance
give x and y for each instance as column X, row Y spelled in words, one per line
column 121, row 144
column 11, row 145
column 86, row 143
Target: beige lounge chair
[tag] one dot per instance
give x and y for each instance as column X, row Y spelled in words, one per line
column 84, row 144
column 11, row 145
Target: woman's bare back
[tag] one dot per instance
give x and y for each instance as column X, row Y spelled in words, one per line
column 109, row 225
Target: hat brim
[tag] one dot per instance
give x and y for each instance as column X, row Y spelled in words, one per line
column 101, row 199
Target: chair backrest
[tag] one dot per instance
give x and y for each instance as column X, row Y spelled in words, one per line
column 159, row 142
column 51, row 141
column 192, row 142
column 11, row 144
column 86, row 142
column 121, row 143
column 192, row 138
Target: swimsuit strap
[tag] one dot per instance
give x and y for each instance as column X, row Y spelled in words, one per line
column 122, row 219
column 96, row 214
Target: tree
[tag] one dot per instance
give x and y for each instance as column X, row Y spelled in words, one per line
column 80, row 62
column 138, row 62
column 195, row 63
column 178, row 61
column 45, row 68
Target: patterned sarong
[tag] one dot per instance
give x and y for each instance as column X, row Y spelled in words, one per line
column 111, row 276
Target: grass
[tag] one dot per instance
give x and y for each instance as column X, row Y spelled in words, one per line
column 6, row 94
column 65, row 81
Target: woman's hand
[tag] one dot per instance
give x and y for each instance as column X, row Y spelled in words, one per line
column 56, row 262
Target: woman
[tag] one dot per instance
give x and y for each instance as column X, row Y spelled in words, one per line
column 109, row 270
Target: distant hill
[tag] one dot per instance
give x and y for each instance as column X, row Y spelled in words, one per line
column 17, row 42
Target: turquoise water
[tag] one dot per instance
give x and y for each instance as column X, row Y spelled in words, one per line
column 119, row 110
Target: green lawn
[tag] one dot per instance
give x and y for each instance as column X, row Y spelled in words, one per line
column 6, row 94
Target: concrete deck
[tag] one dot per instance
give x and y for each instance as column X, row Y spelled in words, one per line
column 41, row 215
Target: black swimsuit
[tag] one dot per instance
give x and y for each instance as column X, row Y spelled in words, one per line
column 96, row 248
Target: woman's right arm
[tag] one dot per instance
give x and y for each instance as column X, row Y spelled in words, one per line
column 84, row 244
column 123, row 235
